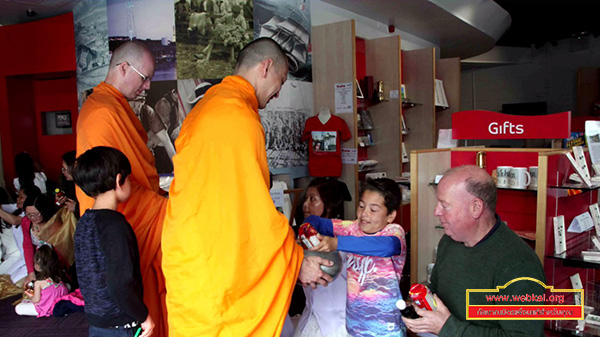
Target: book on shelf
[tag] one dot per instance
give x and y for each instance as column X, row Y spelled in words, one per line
column 585, row 178
column 359, row 93
column 403, row 92
column 560, row 244
column 576, row 139
column 404, row 154
column 365, row 120
column 440, row 94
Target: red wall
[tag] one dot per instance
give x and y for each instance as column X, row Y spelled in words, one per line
column 54, row 95
column 40, row 49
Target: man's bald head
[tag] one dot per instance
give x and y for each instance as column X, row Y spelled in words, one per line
column 131, row 69
column 476, row 182
column 259, row 50
column 129, row 52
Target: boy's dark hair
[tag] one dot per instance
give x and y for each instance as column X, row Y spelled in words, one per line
column 388, row 189
column 44, row 204
column 47, row 260
column 96, row 170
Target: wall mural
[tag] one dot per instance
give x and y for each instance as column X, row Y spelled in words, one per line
column 209, row 35
column 288, row 23
column 91, row 45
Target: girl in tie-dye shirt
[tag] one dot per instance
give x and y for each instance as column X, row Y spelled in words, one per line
column 376, row 254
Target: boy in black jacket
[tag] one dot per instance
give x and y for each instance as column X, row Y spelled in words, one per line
column 106, row 249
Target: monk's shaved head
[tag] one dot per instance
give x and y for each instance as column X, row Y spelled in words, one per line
column 130, row 51
column 259, row 50
column 131, row 69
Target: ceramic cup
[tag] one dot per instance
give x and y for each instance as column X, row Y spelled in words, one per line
column 503, row 172
column 519, row 178
column 533, row 172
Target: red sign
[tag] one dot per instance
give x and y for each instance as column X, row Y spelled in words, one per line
column 482, row 124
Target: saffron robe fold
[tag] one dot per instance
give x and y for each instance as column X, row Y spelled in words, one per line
column 106, row 119
column 230, row 259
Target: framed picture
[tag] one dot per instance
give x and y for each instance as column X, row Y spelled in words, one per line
column 62, row 119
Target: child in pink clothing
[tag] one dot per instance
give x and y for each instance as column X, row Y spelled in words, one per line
column 47, row 287
column 376, row 251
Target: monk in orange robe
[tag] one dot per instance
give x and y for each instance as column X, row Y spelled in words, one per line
column 230, row 259
column 106, row 119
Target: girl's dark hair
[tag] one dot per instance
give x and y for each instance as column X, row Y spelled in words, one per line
column 4, row 196
column 388, row 189
column 28, row 190
column 96, row 170
column 333, row 194
column 44, row 204
column 69, row 159
column 24, row 168
column 47, row 260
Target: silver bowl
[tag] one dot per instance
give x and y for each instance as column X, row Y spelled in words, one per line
column 333, row 270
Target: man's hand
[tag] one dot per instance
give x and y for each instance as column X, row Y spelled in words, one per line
column 430, row 321
column 147, row 327
column 327, row 244
column 311, row 273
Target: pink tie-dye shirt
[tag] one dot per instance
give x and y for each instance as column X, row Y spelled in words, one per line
column 373, row 285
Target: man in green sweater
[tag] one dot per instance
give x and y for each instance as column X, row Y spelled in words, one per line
column 478, row 251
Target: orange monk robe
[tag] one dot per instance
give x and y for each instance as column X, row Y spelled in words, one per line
column 230, row 259
column 106, row 119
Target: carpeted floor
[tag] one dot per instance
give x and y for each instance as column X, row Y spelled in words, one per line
column 13, row 325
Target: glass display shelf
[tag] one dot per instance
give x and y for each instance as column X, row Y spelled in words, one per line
column 575, row 186
column 569, row 328
column 575, row 261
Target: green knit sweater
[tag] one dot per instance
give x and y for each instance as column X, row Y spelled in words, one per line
column 500, row 258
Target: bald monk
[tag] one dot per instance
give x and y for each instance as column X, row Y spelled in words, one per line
column 230, row 259
column 106, row 119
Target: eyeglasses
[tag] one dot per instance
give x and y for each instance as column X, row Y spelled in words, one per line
column 63, row 169
column 144, row 77
column 33, row 215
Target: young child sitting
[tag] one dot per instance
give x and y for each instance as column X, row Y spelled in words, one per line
column 376, row 254
column 106, row 249
column 47, row 287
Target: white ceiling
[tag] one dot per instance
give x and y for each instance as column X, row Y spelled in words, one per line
column 14, row 11
column 461, row 28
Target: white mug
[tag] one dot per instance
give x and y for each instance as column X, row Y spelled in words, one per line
column 519, row 178
column 503, row 173
column 533, row 172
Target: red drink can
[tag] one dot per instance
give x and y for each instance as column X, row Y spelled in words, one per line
column 422, row 297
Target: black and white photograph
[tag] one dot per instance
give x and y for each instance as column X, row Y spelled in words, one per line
column 91, row 44
column 158, row 111
column 191, row 91
column 210, row 34
column 283, row 120
column 288, row 23
column 147, row 21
